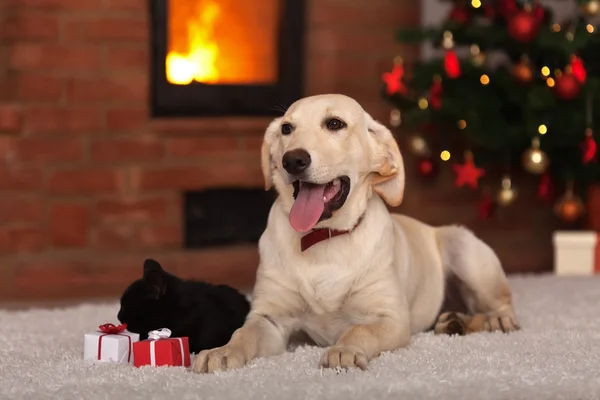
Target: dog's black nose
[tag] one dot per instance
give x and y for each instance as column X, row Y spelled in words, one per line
column 296, row 161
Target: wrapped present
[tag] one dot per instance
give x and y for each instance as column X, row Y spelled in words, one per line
column 161, row 349
column 576, row 252
column 110, row 343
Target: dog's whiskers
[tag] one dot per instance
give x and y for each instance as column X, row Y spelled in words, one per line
column 280, row 107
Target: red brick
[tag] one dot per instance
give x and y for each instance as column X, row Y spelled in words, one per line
column 66, row 5
column 328, row 42
column 593, row 207
column 128, row 58
column 108, row 30
column 108, row 275
column 48, row 151
column 171, row 178
column 252, row 143
column 69, row 225
column 162, row 236
column 68, row 278
column 244, row 173
column 126, row 5
column 18, row 178
column 194, row 147
column 352, row 14
column 132, row 210
column 53, row 119
column 128, row 236
column 114, row 237
column 127, row 150
column 21, row 240
column 20, row 209
column 116, row 88
column 10, row 118
column 85, row 181
column 358, row 13
column 362, row 14
column 336, row 72
column 126, row 119
column 45, row 56
column 29, row 26
column 35, row 87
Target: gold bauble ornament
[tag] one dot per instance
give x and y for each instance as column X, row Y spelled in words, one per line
column 569, row 207
column 523, row 72
column 418, row 146
column 535, row 160
column 592, row 7
column 395, row 118
column 448, row 40
column 507, row 193
column 477, row 56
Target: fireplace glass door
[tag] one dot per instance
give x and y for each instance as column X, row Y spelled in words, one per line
column 226, row 57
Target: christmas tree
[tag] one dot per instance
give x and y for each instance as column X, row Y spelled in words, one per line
column 511, row 84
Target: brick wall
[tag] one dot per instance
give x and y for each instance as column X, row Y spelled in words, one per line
column 89, row 186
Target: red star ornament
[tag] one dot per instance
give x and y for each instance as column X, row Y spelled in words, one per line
column 467, row 174
column 393, row 80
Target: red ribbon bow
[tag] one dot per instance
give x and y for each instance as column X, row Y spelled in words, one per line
column 112, row 329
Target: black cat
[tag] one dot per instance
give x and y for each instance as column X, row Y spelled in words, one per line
column 207, row 314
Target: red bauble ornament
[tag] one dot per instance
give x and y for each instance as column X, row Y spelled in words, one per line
column 567, row 87
column 467, row 174
column 524, row 26
column 589, row 147
column 486, row 206
column 538, row 11
column 427, row 167
column 451, row 64
column 545, row 188
column 507, row 8
column 459, row 15
column 577, row 69
column 488, row 11
column 435, row 94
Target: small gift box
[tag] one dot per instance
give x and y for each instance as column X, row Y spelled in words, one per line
column 111, row 344
column 576, row 253
column 162, row 349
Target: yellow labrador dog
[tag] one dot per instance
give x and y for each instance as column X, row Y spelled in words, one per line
column 335, row 264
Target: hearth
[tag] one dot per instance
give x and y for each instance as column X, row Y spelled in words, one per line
column 227, row 216
column 225, row 57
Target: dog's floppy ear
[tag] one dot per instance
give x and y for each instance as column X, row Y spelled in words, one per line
column 265, row 152
column 388, row 165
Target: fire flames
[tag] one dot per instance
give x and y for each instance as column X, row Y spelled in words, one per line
column 225, row 42
column 198, row 63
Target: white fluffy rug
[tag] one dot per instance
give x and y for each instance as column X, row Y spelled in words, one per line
column 555, row 356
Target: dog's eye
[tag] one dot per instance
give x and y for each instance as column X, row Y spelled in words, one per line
column 335, row 124
column 286, row 129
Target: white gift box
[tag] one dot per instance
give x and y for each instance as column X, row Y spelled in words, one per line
column 575, row 253
column 117, row 348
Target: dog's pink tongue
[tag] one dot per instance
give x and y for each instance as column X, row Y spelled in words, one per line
column 308, row 207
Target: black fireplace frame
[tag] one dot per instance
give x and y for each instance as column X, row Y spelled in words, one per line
column 202, row 100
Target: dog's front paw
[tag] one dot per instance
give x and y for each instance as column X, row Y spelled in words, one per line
column 344, row 357
column 220, row 359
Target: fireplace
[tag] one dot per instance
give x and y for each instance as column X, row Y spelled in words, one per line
column 225, row 57
column 225, row 216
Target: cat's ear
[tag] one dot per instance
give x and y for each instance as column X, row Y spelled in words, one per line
column 155, row 277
